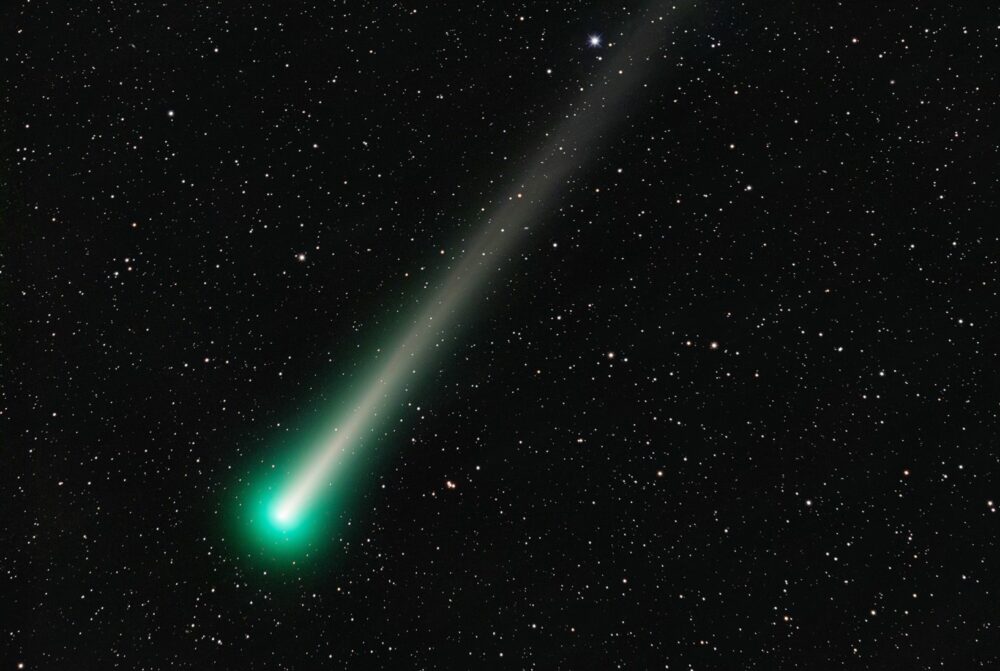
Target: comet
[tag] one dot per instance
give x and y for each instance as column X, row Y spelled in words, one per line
column 289, row 502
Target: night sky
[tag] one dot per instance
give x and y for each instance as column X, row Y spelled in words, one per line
column 730, row 403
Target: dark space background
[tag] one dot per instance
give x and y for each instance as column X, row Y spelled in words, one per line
column 734, row 407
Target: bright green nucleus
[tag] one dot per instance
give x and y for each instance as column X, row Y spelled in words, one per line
column 275, row 535
column 275, row 527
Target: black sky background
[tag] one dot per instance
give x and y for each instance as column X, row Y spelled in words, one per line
column 734, row 407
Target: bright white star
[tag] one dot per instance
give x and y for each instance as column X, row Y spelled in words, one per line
column 595, row 40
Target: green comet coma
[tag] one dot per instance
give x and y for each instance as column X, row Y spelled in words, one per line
column 266, row 532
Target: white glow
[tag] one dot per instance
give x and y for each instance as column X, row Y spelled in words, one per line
column 283, row 514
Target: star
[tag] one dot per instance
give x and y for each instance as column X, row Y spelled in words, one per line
column 594, row 40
